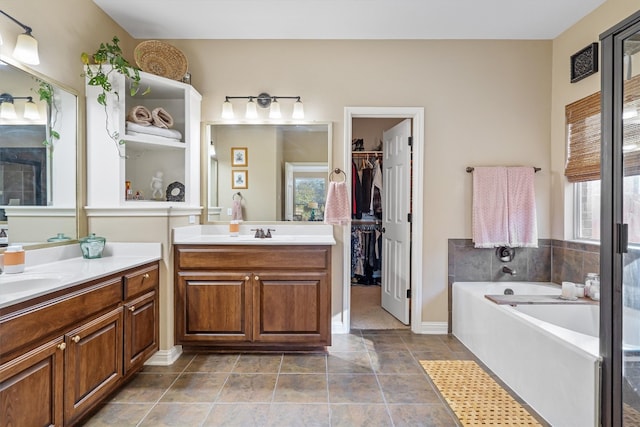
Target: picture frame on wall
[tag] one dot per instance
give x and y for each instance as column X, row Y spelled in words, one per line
column 239, row 156
column 239, row 179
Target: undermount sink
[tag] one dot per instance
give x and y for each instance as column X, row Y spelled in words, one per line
column 25, row 282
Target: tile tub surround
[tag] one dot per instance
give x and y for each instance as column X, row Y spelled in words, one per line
column 552, row 261
column 367, row 377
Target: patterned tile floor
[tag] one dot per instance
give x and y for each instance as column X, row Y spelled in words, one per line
column 366, row 378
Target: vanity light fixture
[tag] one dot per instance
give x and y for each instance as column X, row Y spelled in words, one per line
column 26, row 49
column 8, row 110
column 264, row 100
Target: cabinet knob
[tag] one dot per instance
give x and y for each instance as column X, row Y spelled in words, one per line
column 62, row 346
column 76, row 339
column 246, row 277
column 132, row 308
column 257, row 278
column 145, row 276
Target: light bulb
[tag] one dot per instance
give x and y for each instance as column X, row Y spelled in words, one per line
column 7, row 110
column 31, row 111
column 252, row 111
column 274, row 111
column 26, row 49
column 227, row 110
column 298, row 110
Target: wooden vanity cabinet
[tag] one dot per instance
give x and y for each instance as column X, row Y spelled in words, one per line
column 253, row 297
column 62, row 354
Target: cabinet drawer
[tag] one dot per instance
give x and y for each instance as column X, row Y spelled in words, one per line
column 34, row 323
column 251, row 257
column 140, row 281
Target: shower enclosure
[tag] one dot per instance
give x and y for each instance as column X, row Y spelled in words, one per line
column 620, row 227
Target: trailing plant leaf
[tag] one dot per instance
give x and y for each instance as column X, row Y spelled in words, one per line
column 46, row 93
column 110, row 54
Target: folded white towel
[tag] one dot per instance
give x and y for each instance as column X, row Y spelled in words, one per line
column 134, row 128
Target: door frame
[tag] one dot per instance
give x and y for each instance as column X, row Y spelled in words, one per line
column 417, row 174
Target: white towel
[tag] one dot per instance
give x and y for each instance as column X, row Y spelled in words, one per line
column 337, row 209
column 136, row 129
column 490, row 217
column 236, row 210
column 523, row 226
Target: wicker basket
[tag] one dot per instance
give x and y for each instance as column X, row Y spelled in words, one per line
column 161, row 59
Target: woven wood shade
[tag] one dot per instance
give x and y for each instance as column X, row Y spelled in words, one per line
column 583, row 134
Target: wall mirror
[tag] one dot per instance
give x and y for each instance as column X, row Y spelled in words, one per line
column 276, row 172
column 38, row 157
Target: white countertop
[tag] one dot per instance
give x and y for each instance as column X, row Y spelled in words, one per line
column 51, row 269
column 282, row 234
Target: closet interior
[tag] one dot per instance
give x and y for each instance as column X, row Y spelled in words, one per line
column 367, row 167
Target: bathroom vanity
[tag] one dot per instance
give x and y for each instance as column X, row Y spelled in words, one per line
column 253, row 293
column 73, row 330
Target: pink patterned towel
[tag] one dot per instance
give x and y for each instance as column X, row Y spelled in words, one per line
column 236, row 210
column 337, row 210
column 490, row 207
column 523, row 226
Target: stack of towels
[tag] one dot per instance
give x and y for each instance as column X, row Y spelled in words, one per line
column 158, row 123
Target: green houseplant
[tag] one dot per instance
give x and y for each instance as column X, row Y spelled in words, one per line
column 46, row 93
column 98, row 68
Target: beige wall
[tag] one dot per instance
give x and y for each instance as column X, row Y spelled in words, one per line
column 486, row 103
column 583, row 33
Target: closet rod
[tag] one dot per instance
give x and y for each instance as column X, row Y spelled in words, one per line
column 470, row 169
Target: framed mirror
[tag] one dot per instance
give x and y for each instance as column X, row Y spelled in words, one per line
column 38, row 158
column 277, row 172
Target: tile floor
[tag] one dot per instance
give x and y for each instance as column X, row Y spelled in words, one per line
column 366, row 378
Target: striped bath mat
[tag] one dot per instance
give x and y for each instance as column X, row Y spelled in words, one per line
column 475, row 398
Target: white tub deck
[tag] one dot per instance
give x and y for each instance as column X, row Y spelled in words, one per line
column 554, row 368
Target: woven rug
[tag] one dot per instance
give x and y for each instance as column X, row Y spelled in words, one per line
column 475, row 397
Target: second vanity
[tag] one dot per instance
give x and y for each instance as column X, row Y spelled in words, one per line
column 251, row 293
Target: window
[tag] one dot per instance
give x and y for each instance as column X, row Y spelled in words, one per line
column 583, row 161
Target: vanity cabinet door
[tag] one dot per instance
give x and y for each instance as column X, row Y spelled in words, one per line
column 213, row 307
column 93, row 363
column 141, row 332
column 34, row 381
column 292, row 307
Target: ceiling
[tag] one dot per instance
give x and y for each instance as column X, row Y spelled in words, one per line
column 347, row 19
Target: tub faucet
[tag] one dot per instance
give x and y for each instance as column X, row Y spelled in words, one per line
column 508, row 270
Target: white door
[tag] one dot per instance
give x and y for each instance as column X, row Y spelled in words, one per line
column 396, row 236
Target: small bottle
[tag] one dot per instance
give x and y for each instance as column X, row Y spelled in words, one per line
column 14, row 259
column 128, row 193
column 4, row 239
column 234, row 228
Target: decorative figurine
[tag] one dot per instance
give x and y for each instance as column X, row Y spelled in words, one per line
column 156, row 186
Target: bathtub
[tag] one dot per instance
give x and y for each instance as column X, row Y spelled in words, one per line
column 547, row 354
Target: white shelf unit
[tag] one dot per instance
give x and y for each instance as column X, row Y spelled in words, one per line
column 110, row 165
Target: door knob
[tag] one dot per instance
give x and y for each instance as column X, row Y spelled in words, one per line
column 132, row 308
column 62, row 346
column 257, row 278
column 145, row 276
column 76, row 339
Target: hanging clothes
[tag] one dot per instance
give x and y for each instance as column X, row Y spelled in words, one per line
column 356, row 191
column 366, row 259
column 375, row 204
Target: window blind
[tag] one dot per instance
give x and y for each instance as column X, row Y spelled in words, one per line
column 582, row 120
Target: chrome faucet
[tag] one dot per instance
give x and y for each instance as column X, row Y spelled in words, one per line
column 508, row 270
column 269, row 230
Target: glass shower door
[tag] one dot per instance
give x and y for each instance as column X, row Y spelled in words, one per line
column 631, row 230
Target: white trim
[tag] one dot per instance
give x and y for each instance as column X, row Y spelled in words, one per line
column 165, row 357
column 163, row 211
column 434, row 328
column 417, row 171
column 35, row 211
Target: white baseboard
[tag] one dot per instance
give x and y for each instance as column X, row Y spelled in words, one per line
column 165, row 357
column 426, row 328
column 433, row 328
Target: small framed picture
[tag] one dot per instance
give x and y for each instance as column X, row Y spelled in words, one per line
column 239, row 156
column 239, row 179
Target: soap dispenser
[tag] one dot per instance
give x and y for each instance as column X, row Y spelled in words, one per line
column 14, row 259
